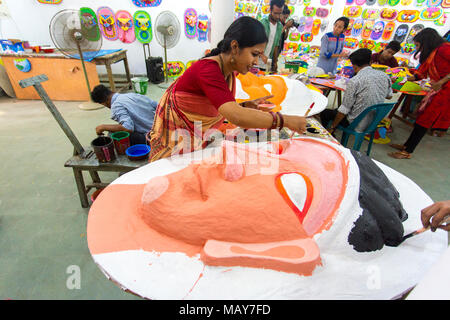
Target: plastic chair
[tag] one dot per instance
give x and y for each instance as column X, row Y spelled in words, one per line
column 381, row 111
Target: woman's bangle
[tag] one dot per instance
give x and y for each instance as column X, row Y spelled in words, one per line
column 274, row 122
column 281, row 120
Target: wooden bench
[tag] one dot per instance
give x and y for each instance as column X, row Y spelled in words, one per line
column 90, row 164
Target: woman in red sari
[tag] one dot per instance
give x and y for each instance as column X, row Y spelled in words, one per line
column 203, row 97
column 434, row 112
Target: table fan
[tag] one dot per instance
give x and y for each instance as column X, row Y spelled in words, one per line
column 167, row 34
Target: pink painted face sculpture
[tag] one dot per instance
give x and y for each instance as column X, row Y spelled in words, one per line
column 236, row 208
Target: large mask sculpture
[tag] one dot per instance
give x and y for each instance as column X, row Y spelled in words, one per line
column 290, row 219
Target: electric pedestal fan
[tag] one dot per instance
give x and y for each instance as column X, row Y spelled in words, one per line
column 167, row 34
column 76, row 37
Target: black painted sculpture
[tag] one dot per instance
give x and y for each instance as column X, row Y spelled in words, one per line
column 381, row 221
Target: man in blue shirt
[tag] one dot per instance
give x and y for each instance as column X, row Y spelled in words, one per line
column 133, row 112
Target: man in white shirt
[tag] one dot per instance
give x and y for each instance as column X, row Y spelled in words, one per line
column 367, row 88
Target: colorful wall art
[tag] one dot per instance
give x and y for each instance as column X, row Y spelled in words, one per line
column 203, row 26
column 50, row 1
column 143, row 26
column 89, row 24
column 125, row 26
column 147, row 3
column 107, row 23
column 175, row 68
column 408, row 16
column 388, row 31
column 190, row 23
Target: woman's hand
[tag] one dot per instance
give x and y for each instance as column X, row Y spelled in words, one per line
column 435, row 214
column 295, row 123
column 436, row 86
column 255, row 104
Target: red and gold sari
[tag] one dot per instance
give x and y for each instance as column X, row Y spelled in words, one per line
column 436, row 111
column 176, row 114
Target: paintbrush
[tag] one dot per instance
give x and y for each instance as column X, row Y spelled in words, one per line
column 415, row 233
column 306, row 114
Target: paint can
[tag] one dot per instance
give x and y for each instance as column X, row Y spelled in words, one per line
column 140, row 85
column 104, row 149
column 121, row 141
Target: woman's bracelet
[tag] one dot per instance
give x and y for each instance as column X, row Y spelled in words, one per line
column 274, row 122
column 281, row 120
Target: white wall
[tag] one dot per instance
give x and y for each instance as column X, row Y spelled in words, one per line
column 30, row 21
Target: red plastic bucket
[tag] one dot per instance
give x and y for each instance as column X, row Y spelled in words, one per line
column 121, row 141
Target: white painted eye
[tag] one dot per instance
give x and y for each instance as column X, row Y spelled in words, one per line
column 295, row 186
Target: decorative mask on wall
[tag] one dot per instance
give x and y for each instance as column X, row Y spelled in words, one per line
column 147, row 3
column 89, row 24
column 107, row 23
column 125, row 26
column 143, row 26
column 190, row 23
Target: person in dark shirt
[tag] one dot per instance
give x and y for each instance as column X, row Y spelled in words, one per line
column 386, row 56
column 287, row 24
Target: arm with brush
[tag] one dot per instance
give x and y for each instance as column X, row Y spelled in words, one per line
column 434, row 216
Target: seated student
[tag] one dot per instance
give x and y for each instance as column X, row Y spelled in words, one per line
column 134, row 113
column 367, row 88
column 386, row 56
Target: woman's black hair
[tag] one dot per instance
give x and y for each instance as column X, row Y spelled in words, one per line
column 247, row 31
column 100, row 94
column 429, row 40
column 345, row 20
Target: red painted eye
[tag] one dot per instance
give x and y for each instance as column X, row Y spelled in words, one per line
column 298, row 195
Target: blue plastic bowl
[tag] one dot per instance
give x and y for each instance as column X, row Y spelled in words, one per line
column 137, row 152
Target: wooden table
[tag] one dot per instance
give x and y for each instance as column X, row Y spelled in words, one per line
column 329, row 84
column 66, row 81
column 91, row 165
column 407, row 97
column 109, row 59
